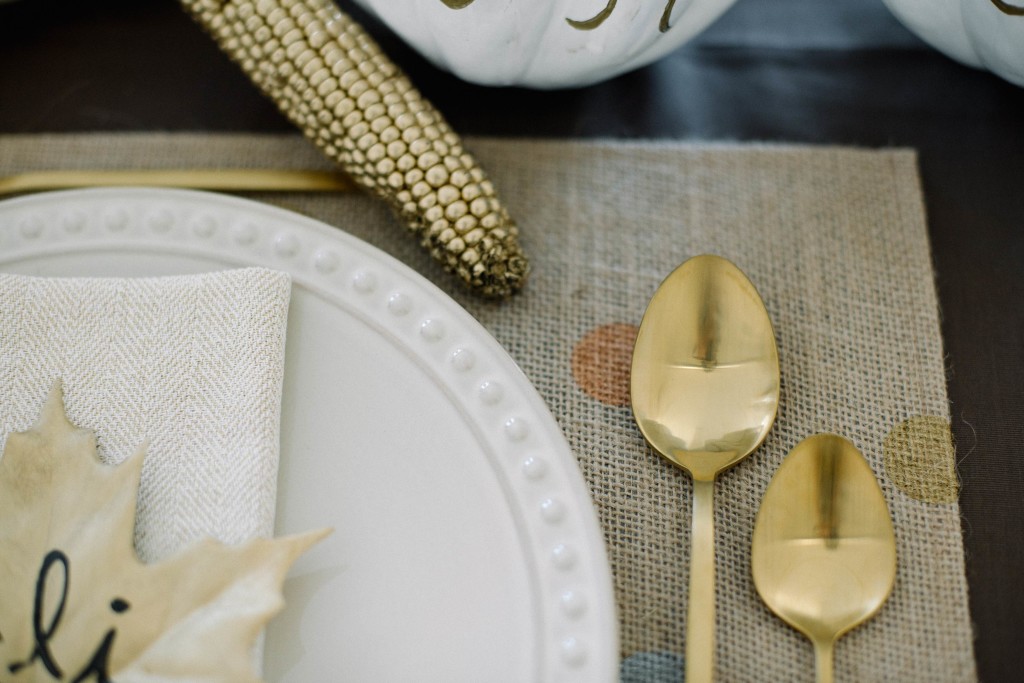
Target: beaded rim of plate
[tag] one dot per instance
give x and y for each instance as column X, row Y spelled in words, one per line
column 333, row 81
column 576, row 628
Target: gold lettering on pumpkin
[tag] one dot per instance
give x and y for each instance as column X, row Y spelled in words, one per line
column 1007, row 8
column 598, row 19
column 663, row 25
column 595, row 21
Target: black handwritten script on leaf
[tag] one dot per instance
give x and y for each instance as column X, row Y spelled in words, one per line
column 77, row 605
column 44, row 626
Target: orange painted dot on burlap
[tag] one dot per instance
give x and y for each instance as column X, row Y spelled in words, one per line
column 601, row 362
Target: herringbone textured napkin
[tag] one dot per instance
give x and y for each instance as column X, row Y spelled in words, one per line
column 192, row 365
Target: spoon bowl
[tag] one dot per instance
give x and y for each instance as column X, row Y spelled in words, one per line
column 705, row 390
column 824, row 553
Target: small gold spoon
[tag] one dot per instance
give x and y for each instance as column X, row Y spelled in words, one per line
column 705, row 390
column 824, row 553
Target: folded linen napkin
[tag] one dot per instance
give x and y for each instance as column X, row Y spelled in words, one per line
column 190, row 365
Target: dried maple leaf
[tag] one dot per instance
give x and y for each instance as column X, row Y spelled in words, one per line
column 76, row 604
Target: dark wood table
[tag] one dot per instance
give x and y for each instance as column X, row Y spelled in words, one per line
column 838, row 72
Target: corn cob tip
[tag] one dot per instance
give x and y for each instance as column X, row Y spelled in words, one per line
column 505, row 271
column 332, row 80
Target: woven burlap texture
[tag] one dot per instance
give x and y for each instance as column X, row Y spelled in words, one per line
column 835, row 241
column 190, row 366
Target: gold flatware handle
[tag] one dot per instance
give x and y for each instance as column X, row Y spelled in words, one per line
column 700, row 613
column 234, row 179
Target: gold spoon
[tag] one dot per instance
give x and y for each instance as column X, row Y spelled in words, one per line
column 824, row 553
column 705, row 390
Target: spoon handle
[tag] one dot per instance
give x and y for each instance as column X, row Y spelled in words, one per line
column 823, row 650
column 700, row 616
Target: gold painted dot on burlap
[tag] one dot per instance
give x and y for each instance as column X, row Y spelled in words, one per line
column 920, row 460
column 601, row 362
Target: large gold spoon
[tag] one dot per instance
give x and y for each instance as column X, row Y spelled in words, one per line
column 824, row 554
column 705, row 390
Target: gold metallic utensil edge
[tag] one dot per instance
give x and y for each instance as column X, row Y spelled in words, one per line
column 831, row 519
column 700, row 620
column 226, row 179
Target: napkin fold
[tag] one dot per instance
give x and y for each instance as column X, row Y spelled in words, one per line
column 190, row 366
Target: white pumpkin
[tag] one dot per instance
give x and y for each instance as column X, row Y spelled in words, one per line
column 987, row 34
column 544, row 43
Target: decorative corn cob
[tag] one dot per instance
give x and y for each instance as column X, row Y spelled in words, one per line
column 336, row 84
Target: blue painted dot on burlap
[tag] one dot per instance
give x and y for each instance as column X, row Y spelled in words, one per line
column 652, row 667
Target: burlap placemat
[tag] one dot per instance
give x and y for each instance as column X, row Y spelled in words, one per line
column 835, row 241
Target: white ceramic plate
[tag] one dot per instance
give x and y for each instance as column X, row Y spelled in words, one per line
column 465, row 546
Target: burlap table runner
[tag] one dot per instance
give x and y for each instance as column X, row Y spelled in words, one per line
column 834, row 239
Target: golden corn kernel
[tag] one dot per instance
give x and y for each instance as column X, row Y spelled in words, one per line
column 333, row 81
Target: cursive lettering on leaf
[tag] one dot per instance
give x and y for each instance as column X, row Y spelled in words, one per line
column 42, row 635
column 43, row 630
column 97, row 666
